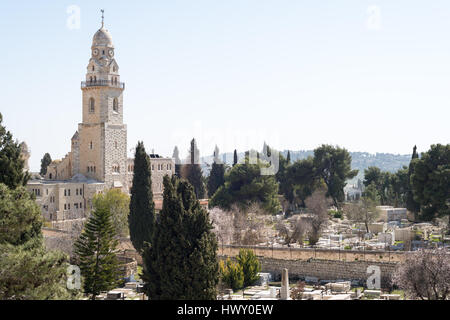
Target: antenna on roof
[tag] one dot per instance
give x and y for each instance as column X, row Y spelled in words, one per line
column 103, row 11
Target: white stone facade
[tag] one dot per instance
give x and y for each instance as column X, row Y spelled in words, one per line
column 98, row 157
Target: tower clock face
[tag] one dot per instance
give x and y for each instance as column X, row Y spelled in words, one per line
column 111, row 53
column 95, row 52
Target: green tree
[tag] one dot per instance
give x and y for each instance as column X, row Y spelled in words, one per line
column 181, row 261
column 176, row 157
column 288, row 157
column 193, row 174
column 95, row 251
column 235, row 158
column 30, row 272
column 141, row 218
column 301, row 181
column 217, row 175
column 20, row 216
column 411, row 204
column 244, row 185
column 27, row 270
column 284, row 186
column 431, row 182
column 333, row 165
column 11, row 162
column 232, row 274
column 118, row 204
column 192, row 171
column 250, row 266
column 45, row 161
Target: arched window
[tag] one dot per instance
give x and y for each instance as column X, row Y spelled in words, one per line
column 91, row 146
column 93, row 68
column 91, row 105
column 115, row 105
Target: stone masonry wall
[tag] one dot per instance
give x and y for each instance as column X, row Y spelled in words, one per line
column 323, row 254
column 327, row 269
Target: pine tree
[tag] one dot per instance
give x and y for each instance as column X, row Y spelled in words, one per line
column 20, row 216
column 11, row 162
column 95, row 251
column 141, row 219
column 181, row 262
column 27, row 270
column 288, row 157
column 235, row 158
column 45, row 161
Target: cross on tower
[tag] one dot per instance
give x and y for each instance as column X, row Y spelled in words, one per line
column 103, row 11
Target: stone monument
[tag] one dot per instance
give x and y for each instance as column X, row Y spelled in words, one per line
column 284, row 293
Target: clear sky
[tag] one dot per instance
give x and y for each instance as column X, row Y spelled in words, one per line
column 367, row 75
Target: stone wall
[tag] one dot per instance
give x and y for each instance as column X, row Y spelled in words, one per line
column 327, row 269
column 322, row 254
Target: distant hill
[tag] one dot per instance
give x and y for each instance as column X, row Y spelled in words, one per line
column 360, row 161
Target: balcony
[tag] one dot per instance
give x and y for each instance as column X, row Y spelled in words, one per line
column 102, row 83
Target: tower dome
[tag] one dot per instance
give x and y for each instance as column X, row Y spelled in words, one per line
column 102, row 38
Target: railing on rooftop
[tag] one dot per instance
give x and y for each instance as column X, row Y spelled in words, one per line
column 102, row 83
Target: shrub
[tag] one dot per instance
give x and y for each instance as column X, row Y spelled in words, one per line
column 250, row 266
column 232, row 274
column 297, row 291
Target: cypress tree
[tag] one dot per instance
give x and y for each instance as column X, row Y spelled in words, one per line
column 45, row 161
column 217, row 174
column 11, row 162
column 192, row 172
column 95, row 252
column 142, row 208
column 235, row 158
column 288, row 157
column 181, row 261
column 411, row 204
column 176, row 156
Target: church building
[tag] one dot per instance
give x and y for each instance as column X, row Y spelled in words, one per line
column 98, row 157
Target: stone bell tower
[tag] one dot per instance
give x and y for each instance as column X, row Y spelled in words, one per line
column 102, row 136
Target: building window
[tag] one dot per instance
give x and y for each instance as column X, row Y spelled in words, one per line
column 91, row 105
column 75, row 205
column 65, row 193
column 65, row 206
column 115, row 144
column 81, row 192
column 68, row 206
column 93, row 69
column 115, row 105
column 68, row 192
column 81, row 205
column 91, row 145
